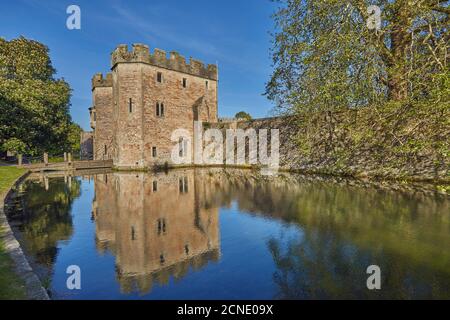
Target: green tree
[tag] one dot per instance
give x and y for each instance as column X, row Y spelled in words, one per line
column 326, row 57
column 243, row 115
column 34, row 106
column 15, row 145
column 74, row 138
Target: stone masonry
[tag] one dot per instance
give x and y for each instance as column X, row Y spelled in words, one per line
column 86, row 145
column 144, row 98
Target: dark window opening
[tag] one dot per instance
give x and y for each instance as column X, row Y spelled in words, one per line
column 207, row 84
column 161, row 226
column 161, row 258
column 106, row 150
column 181, row 147
column 133, row 234
column 155, row 186
column 159, row 77
column 184, row 185
column 130, row 106
column 184, row 82
column 153, row 152
column 186, row 249
column 160, row 109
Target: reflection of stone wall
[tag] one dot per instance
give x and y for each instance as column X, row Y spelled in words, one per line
column 104, row 212
column 155, row 225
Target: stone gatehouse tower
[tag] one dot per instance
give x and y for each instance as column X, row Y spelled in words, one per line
column 144, row 98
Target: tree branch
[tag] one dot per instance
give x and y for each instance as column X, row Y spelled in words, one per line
column 441, row 9
column 385, row 53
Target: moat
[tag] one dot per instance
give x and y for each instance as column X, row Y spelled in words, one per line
column 231, row 234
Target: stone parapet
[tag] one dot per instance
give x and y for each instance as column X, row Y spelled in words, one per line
column 176, row 62
column 99, row 81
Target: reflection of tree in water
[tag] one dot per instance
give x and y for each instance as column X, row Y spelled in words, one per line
column 44, row 217
column 315, row 267
column 323, row 267
column 346, row 228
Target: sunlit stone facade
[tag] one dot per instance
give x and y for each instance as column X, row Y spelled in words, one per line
column 144, row 99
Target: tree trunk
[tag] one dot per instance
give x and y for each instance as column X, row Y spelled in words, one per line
column 397, row 87
column 400, row 38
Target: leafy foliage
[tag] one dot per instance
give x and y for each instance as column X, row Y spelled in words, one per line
column 367, row 101
column 326, row 58
column 34, row 107
column 73, row 138
column 243, row 115
column 15, row 145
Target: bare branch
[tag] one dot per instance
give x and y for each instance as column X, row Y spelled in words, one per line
column 445, row 10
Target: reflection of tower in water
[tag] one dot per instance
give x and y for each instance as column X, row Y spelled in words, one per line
column 156, row 225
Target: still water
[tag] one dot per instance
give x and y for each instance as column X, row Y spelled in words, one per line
column 231, row 234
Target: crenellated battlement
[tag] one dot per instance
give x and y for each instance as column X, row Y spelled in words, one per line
column 141, row 53
column 99, row 81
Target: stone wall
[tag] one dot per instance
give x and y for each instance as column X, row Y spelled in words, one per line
column 127, row 126
column 339, row 144
column 102, row 117
column 288, row 158
column 86, row 145
column 142, row 129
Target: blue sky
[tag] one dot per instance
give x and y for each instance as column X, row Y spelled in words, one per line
column 233, row 33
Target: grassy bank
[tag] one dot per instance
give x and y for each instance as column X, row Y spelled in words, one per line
column 11, row 286
column 7, row 176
